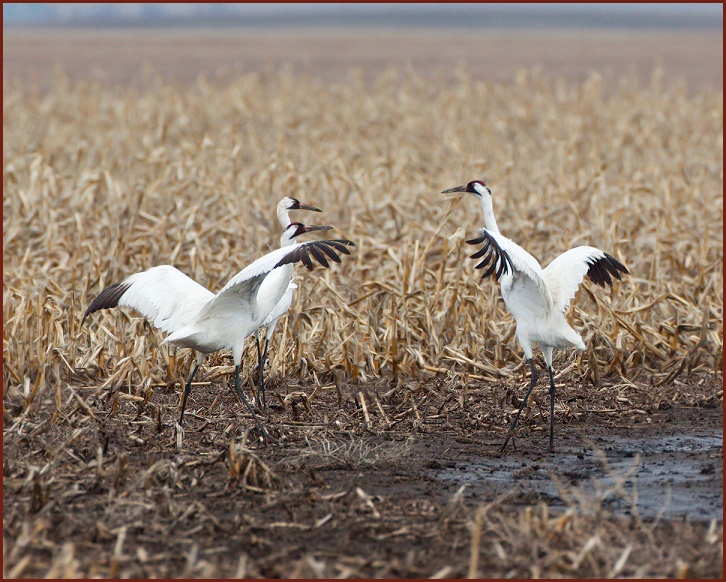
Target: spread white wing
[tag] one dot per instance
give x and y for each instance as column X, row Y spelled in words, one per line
column 240, row 291
column 566, row 272
column 172, row 301
column 164, row 295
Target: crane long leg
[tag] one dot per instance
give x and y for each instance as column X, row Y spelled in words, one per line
column 262, row 383
column 238, row 387
column 521, row 408
column 552, row 410
column 261, row 359
column 187, row 391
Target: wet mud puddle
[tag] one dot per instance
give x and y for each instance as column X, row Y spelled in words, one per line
column 674, row 476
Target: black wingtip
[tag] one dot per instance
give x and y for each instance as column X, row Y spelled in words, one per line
column 486, row 259
column 106, row 299
column 344, row 241
column 617, row 265
column 317, row 250
column 339, row 245
column 603, row 268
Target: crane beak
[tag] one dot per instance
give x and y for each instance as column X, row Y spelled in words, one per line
column 311, row 228
column 308, row 207
column 457, row 189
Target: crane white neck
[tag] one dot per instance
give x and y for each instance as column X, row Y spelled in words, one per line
column 286, row 238
column 283, row 215
column 488, row 208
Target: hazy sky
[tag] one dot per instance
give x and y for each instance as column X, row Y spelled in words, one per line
column 28, row 13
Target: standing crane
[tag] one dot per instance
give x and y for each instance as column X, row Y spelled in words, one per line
column 283, row 216
column 536, row 297
column 196, row 318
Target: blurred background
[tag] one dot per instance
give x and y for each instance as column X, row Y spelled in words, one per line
column 635, row 15
column 116, row 42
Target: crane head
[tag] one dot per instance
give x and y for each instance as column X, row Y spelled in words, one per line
column 295, row 204
column 475, row 187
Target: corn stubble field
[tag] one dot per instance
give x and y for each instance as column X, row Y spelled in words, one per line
column 385, row 363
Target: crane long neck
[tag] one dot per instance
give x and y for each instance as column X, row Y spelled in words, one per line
column 286, row 238
column 283, row 216
column 489, row 220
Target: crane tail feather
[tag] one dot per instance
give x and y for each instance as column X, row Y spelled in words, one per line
column 502, row 265
column 486, row 260
column 496, row 258
column 490, row 270
column 481, row 251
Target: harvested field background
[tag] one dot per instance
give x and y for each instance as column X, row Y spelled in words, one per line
column 393, row 370
column 120, row 56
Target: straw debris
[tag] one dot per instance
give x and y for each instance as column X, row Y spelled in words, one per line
column 401, row 342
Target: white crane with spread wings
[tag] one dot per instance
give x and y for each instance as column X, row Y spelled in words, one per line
column 196, row 318
column 536, row 297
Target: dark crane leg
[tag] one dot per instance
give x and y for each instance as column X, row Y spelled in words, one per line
column 552, row 410
column 261, row 359
column 238, row 387
column 187, row 390
column 521, row 408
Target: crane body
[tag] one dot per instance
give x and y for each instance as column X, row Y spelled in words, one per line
column 196, row 318
column 537, row 298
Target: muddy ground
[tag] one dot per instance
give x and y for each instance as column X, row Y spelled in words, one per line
column 391, row 489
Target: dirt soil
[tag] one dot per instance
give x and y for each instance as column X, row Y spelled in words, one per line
column 388, row 489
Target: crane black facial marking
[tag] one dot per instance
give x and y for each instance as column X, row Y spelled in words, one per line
column 299, row 228
column 295, row 204
column 470, row 187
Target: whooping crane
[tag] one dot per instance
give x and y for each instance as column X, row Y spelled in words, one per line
column 269, row 324
column 283, row 216
column 536, row 297
column 196, row 318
